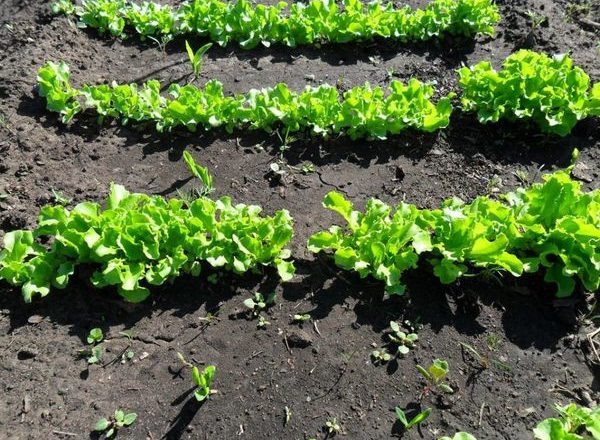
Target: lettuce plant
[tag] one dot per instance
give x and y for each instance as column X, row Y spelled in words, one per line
column 549, row 90
column 138, row 241
column 363, row 111
column 551, row 226
column 315, row 22
column 573, row 423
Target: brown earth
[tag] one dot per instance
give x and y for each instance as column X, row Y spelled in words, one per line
column 48, row 392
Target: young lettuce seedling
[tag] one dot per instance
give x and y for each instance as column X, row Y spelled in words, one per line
column 302, row 317
column 416, row 420
column 260, row 302
column 110, row 426
column 435, row 375
column 381, row 356
column 93, row 353
column 203, row 380
column 332, row 427
column 404, row 341
column 196, row 57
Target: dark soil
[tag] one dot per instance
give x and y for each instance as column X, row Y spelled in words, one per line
column 532, row 346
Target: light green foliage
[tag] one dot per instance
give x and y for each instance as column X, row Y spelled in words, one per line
column 319, row 21
column 363, row 111
column 332, row 427
column 380, row 356
column 436, row 374
column 139, row 240
column 551, row 226
column 416, row 420
column 200, row 173
column 573, row 423
column 196, row 57
column 110, row 426
column 593, row 106
column 549, row 90
column 203, row 381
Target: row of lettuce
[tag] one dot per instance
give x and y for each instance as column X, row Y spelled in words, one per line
column 319, row 21
column 573, row 423
column 531, row 86
column 138, row 241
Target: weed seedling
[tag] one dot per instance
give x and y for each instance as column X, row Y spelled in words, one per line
column 380, row 356
column 60, row 198
column 300, row 318
column 199, row 172
column 95, row 336
column 262, row 322
column 404, row 341
column 110, row 426
column 416, row 420
column 435, row 375
column 332, row 427
column 93, row 353
column 260, row 302
column 203, row 380
column 196, row 57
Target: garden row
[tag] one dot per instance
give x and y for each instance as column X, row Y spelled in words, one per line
column 315, row 22
column 549, row 91
column 138, row 241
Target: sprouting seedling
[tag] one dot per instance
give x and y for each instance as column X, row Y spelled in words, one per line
column 380, row 356
column 162, row 42
column 196, row 57
column 95, row 336
column 200, row 173
column 60, row 198
column 301, row 317
column 66, row 7
column 93, row 353
column 416, row 420
column 259, row 302
column 110, row 426
column 332, row 427
column 435, row 375
column 404, row 341
column 262, row 322
column 203, row 379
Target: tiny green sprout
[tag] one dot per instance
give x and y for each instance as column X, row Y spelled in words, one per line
column 60, row 198
column 203, row 380
column 380, row 356
column 303, row 317
column 259, row 302
column 66, row 7
column 200, row 173
column 332, row 427
column 404, row 341
column 196, row 57
column 435, row 375
column 213, row 278
column 127, row 356
column 308, row 168
column 416, row 420
column 110, row 426
column 262, row 322
column 460, row 436
column 95, row 336
column 288, row 416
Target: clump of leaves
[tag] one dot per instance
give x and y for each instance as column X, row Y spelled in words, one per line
column 419, row 418
column 435, row 375
column 531, row 85
column 403, row 340
column 95, row 336
column 120, row 419
column 196, row 57
column 203, row 379
column 260, row 302
column 574, row 423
